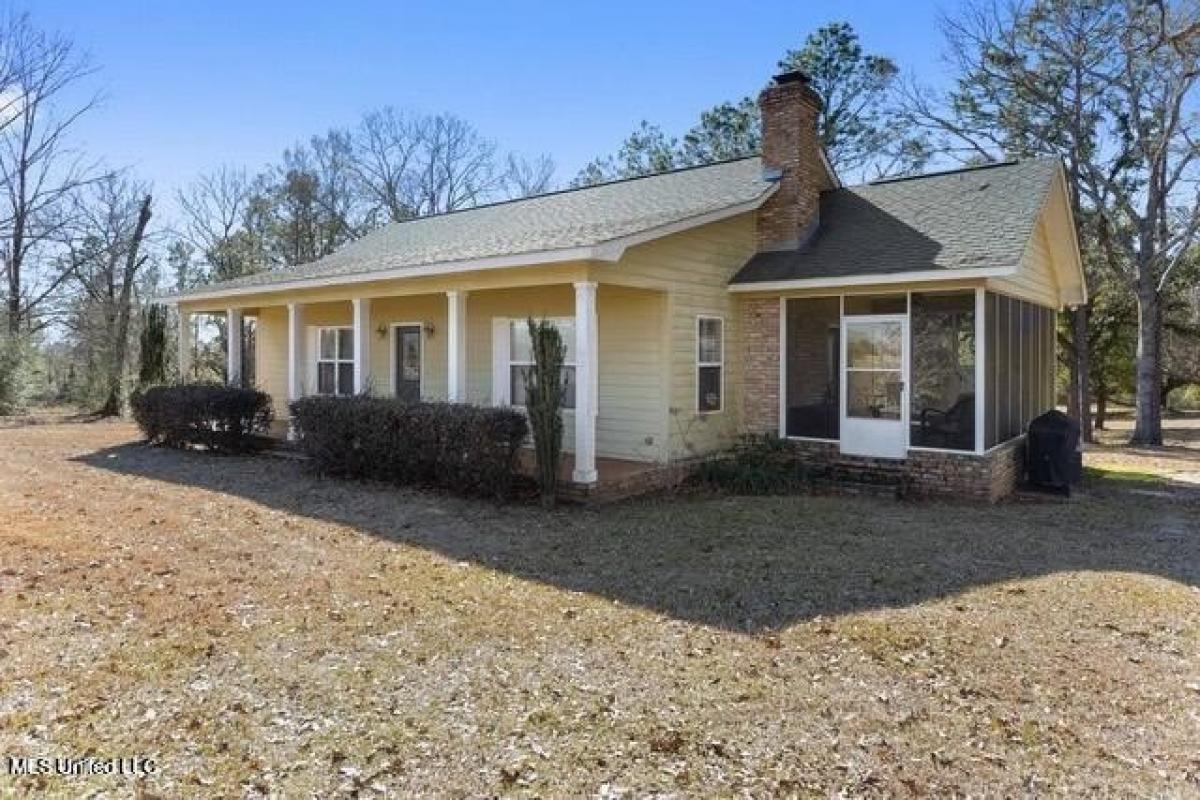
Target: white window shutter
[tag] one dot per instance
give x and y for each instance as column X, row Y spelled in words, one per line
column 500, row 354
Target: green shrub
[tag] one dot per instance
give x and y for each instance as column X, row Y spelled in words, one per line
column 460, row 448
column 544, row 392
column 759, row 465
column 222, row 418
column 152, row 350
column 1185, row 398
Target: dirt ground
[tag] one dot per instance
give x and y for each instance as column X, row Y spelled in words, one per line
column 260, row 632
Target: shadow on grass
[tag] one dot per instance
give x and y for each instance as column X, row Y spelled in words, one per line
column 744, row 564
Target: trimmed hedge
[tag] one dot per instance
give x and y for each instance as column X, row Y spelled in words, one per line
column 464, row 449
column 222, row 418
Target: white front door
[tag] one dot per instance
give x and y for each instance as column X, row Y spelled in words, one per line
column 875, row 386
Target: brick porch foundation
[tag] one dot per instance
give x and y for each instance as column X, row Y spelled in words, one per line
column 966, row 476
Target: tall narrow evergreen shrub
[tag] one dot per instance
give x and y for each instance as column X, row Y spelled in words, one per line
column 544, row 392
column 152, row 364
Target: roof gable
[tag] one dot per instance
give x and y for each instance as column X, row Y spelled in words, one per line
column 968, row 222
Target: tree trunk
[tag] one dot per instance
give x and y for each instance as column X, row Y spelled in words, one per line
column 1101, row 406
column 14, row 303
column 1147, row 429
column 1079, row 398
column 114, row 403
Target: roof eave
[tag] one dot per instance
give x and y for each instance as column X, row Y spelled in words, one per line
column 610, row 250
column 871, row 279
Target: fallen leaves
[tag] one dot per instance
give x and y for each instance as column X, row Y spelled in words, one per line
column 266, row 633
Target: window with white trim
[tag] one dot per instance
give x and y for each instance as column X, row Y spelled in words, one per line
column 335, row 361
column 710, row 364
column 520, row 359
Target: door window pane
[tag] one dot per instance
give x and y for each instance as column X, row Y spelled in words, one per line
column 874, row 345
column 873, row 395
column 410, row 357
column 408, row 363
column 942, row 411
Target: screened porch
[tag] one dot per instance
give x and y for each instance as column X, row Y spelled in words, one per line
column 881, row 374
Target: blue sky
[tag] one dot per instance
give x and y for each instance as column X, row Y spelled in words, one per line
column 189, row 86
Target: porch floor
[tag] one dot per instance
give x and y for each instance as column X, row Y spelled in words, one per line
column 612, row 473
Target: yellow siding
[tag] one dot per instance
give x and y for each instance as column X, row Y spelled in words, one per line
column 270, row 364
column 631, row 422
column 1035, row 279
column 429, row 309
column 694, row 269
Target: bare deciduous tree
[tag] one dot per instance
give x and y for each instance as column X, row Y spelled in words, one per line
column 39, row 173
column 215, row 208
column 106, row 256
column 1107, row 85
column 456, row 167
column 385, row 152
column 526, row 177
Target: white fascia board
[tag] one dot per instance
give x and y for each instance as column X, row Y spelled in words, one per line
column 446, row 267
column 611, row 250
column 869, row 280
column 1081, row 297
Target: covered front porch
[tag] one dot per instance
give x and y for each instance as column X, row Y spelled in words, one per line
column 463, row 345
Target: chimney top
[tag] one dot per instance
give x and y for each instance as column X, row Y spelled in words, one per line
column 795, row 76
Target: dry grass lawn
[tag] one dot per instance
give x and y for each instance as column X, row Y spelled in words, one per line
column 261, row 632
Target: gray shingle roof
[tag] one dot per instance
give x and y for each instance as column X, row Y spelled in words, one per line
column 568, row 219
column 972, row 218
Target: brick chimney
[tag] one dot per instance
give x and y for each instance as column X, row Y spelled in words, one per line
column 791, row 152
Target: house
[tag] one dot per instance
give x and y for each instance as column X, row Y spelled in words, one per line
column 903, row 325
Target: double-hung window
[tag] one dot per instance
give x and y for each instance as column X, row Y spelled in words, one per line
column 335, row 361
column 521, row 363
column 710, row 364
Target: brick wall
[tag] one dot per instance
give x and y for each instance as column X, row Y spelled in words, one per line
column 791, row 144
column 961, row 476
column 760, row 364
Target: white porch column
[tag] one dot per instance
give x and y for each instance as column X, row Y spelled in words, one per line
column 981, row 395
column 456, row 344
column 295, row 368
column 185, row 346
column 362, row 344
column 586, row 384
column 233, row 346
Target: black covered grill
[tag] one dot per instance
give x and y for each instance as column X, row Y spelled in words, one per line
column 1052, row 456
